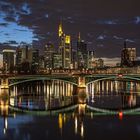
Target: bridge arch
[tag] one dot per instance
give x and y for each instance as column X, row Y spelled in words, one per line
column 108, row 111
column 41, row 79
column 113, row 77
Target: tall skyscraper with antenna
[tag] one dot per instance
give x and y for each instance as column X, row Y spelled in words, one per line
column 81, row 53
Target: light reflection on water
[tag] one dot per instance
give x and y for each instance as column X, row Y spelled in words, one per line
column 44, row 95
column 55, row 94
column 114, row 94
column 77, row 124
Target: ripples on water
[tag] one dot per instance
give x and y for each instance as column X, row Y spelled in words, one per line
column 114, row 94
column 42, row 95
column 78, row 123
column 47, row 95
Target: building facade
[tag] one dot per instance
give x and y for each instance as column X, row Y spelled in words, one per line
column 64, row 48
column 57, row 61
column 81, row 53
column 90, row 60
column 27, row 59
column 128, row 56
column 8, row 60
column 48, row 55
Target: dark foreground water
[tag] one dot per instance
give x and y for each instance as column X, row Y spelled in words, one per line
column 28, row 127
column 36, row 111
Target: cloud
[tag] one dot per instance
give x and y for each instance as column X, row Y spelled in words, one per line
column 47, row 16
column 21, row 30
column 12, row 42
column 6, row 34
column 40, row 19
column 101, row 37
column 4, row 24
column 129, row 40
column 10, row 19
column 137, row 20
column 116, row 37
column 107, row 21
column 8, row 44
column 25, row 9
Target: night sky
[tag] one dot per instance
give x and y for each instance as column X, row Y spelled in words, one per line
column 104, row 24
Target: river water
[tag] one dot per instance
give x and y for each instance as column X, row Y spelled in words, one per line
column 57, row 110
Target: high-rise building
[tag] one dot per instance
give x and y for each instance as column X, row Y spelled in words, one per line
column 81, row 53
column 74, row 59
column 100, row 63
column 35, row 56
column 34, row 60
column 41, row 62
column 64, row 48
column 18, row 56
column 48, row 55
column 8, row 60
column 22, row 54
column 27, row 59
column 57, row 61
column 128, row 56
column 90, row 59
column 66, row 57
column 60, row 30
column 27, row 54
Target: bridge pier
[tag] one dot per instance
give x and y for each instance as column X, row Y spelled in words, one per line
column 82, row 95
column 4, row 83
column 81, row 82
column 81, row 90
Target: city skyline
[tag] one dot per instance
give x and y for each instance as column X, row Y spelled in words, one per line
column 68, row 67
column 105, row 31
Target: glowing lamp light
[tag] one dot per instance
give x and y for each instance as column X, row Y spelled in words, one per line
column 120, row 115
column 120, row 75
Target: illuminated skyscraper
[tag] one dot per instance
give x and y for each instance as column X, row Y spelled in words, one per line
column 21, row 54
column 27, row 58
column 61, row 36
column 34, row 60
column 64, row 48
column 8, row 60
column 128, row 56
column 90, row 59
column 81, row 53
column 48, row 55
column 60, row 30
column 100, row 63
column 74, row 59
column 66, row 57
column 18, row 56
column 57, row 61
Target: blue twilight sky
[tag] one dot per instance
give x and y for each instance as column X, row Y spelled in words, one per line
column 11, row 31
column 104, row 24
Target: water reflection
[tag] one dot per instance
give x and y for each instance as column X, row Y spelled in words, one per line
column 81, row 113
column 111, row 94
column 77, row 124
column 55, row 94
column 42, row 95
column 4, row 108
